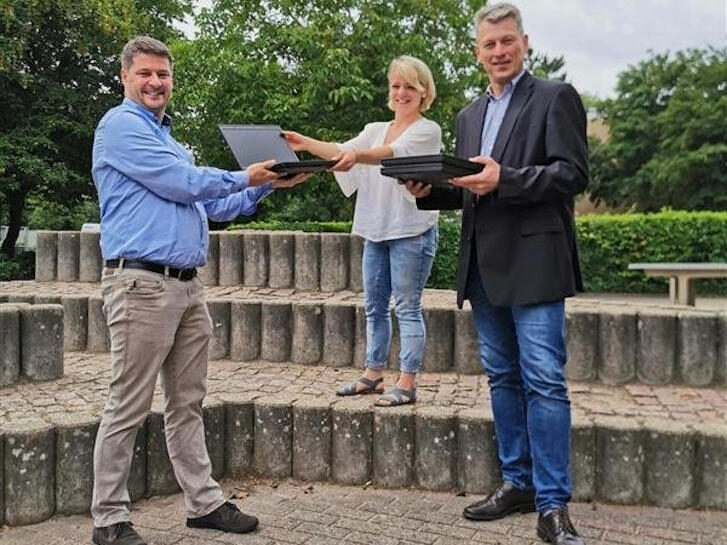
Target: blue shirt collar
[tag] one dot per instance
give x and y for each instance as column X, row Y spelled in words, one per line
column 509, row 86
column 166, row 120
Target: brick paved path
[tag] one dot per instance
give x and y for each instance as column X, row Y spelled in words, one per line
column 323, row 514
column 83, row 390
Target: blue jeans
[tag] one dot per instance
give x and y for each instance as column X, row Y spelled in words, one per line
column 522, row 349
column 400, row 266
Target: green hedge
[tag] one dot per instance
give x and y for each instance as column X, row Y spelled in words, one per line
column 307, row 226
column 607, row 243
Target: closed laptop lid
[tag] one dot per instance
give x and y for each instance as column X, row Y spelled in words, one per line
column 256, row 143
column 445, row 160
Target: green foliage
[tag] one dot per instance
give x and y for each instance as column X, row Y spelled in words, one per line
column 609, row 243
column 56, row 216
column 667, row 135
column 320, row 68
column 19, row 267
column 446, row 261
column 544, row 66
column 59, row 73
column 305, row 226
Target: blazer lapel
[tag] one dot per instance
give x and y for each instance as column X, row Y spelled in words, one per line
column 520, row 96
column 474, row 137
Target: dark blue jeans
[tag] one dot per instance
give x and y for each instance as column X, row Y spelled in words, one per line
column 522, row 350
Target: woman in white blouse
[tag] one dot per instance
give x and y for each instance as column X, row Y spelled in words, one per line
column 399, row 240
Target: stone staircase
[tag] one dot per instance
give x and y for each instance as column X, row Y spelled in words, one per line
column 647, row 386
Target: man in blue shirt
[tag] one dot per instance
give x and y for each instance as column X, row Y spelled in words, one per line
column 154, row 208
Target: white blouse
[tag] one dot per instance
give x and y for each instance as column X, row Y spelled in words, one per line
column 385, row 210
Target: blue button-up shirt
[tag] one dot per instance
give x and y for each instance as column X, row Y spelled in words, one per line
column 154, row 201
column 496, row 108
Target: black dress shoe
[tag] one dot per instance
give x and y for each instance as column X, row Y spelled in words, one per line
column 121, row 533
column 555, row 527
column 503, row 501
column 228, row 518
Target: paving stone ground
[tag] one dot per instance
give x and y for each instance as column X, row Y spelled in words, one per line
column 325, row 514
column 84, row 385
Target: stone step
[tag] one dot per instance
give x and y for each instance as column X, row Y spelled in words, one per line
column 276, row 259
column 31, row 342
column 614, row 343
column 633, row 444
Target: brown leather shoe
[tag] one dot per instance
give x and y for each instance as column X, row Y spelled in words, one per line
column 500, row 503
column 121, row 533
column 228, row 518
column 555, row 527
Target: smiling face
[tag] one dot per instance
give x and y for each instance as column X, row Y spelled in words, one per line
column 148, row 81
column 501, row 50
column 405, row 97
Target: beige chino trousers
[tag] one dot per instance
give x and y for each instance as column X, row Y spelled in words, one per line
column 157, row 325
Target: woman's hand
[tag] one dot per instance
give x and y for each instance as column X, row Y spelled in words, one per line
column 281, row 183
column 345, row 161
column 296, row 140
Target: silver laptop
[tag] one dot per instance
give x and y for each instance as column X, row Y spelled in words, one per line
column 257, row 143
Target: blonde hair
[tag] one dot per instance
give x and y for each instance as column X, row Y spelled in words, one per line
column 416, row 74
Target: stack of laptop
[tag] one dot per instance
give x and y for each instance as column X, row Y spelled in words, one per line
column 431, row 169
column 257, row 143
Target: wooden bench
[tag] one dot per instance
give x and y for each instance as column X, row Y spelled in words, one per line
column 681, row 275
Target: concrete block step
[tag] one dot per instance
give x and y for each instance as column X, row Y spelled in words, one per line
column 277, row 259
column 31, row 342
column 663, row 446
column 608, row 342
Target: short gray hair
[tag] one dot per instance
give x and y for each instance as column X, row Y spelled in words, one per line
column 496, row 13
column 143, row 44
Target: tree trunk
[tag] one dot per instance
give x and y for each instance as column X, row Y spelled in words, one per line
column 16, row 203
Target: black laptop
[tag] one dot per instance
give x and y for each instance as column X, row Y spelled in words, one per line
column 257, row 143
column 431, row 169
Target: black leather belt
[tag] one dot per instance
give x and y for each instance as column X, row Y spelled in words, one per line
column 180, row 274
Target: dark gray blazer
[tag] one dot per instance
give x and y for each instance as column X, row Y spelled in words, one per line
column 524, row 232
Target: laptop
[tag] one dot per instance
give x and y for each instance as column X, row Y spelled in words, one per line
column 431, row 169
column 257, row 143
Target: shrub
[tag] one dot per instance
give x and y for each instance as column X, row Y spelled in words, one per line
column 306, row 226
column 57, row 216
column 20, row 267
column 444, row 269
column 608, row 243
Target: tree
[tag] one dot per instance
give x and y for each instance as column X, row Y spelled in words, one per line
column 543, row 66
column 58, row 75
column 667, row 143
column 319, row 67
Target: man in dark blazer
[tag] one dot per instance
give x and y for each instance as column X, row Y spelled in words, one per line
column 518, row 261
